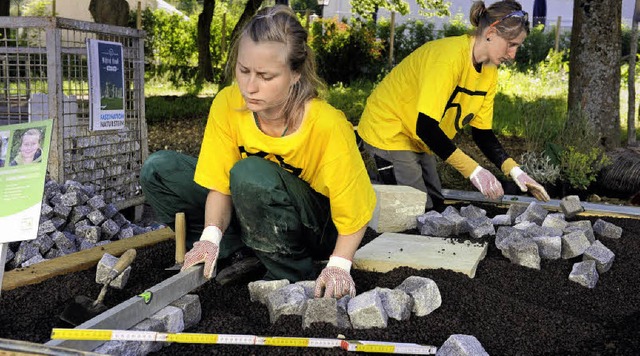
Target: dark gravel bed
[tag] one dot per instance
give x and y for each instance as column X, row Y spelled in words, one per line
column 511, row 310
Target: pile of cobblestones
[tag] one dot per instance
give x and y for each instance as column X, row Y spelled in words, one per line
column 73, row 217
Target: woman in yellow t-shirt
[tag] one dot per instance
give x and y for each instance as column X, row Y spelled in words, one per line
column 433, row 93
column 279, row 170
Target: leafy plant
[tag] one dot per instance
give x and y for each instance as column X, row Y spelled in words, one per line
column 580, row 169
column 539, row 167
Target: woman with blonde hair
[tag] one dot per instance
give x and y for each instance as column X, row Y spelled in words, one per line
column 446, row 84
column 279, row 171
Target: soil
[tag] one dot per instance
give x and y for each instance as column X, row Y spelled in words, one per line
column 511, row 310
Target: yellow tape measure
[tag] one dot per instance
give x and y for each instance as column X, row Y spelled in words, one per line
column 196, row 338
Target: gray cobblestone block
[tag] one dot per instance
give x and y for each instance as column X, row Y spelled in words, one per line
column 85, row 245
column 62, row 211
column 46, row 227
column 172, row 317
column 461, row 345
column 73, row 198
column 58, row 222
column 366, row 311
column 309, row 288
column 506, row 233
column 424, row 292
column 571, row 206
column 343, row 312
column 258, row 290
column 26, row 251
column 90, row 189
column 96, row 217
column 501, row 220
column 51, row 187
column 10, row 255
column 104, row 269
column 109, row 210
column 125, row 233
column 53, row 253
column 44, row 243
column 96, row 202
column 584, row 273
column 459, row 221
column 438, row 226
column 120, row 220
column 537, row 230
column 524, row 252
column 78, row 213
column 32, row 261
column 549, row 247
column 556, row 221
column 89, row 233
column 146, row 347
column 320, row 310
column 480, row 227
column 581, row 225
column 574, row 244
column 46, row 211
column 191, row 309
column 396, row 303
column 62, row 241
column 420, row 219
column 138, row 230
column 534, row 213
column 606, row 229
column 73, row 186
column 109, row 228
column 516, row 210
column 56, row 199
column 288, row 300
column 601, row 254
column 472, row 211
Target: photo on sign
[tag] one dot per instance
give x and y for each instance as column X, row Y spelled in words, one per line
column 4, row 145
column 27, row 146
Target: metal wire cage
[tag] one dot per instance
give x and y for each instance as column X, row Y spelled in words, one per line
column 44, row 75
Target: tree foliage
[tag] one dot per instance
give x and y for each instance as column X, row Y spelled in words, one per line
column 366, row 8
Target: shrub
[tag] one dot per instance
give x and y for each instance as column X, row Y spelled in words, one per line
column 580, row 169
column 539, row 167
column 350, row 99
column 346, row 52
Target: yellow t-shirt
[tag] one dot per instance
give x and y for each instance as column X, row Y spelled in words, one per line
column 322, row 152
column 439, row 80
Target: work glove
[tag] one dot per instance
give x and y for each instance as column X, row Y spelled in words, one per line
column 335, row 280
column 206, row 250
column 486, row 183
column 526, row 183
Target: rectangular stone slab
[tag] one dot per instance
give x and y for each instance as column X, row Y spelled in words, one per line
column 391, row 250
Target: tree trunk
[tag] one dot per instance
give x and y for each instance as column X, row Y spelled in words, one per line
column 594, row 75
column 110, row 12
column 633, row 53
column 205, row 68
column 5, row 6
column 250, row 9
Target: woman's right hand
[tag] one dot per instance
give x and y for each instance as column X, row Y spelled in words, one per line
column 206, row 250
column 486, row 183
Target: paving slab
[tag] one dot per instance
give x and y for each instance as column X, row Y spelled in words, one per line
column 391, row 250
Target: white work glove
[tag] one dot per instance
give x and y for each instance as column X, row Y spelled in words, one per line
column 206, row 250
column 526, row 183
column 486, row 183
column 335, row 280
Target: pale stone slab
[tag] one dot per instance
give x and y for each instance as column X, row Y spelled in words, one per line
column 397, row 208
column 391, row 250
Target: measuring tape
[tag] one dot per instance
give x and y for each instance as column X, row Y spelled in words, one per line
column 235, row 339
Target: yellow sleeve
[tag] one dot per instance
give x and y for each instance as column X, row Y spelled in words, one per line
column 463, row 163
column 218, row 151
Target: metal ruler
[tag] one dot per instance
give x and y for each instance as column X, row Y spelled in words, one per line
column 236, row 339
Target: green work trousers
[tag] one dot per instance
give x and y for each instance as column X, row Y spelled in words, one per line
column 276, row 214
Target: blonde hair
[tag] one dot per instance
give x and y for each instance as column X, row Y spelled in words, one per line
column 280, row 24
column 482, row 17
column 33, row 132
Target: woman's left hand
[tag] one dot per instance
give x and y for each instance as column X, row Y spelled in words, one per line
column 526, row 183
column 335, row 280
